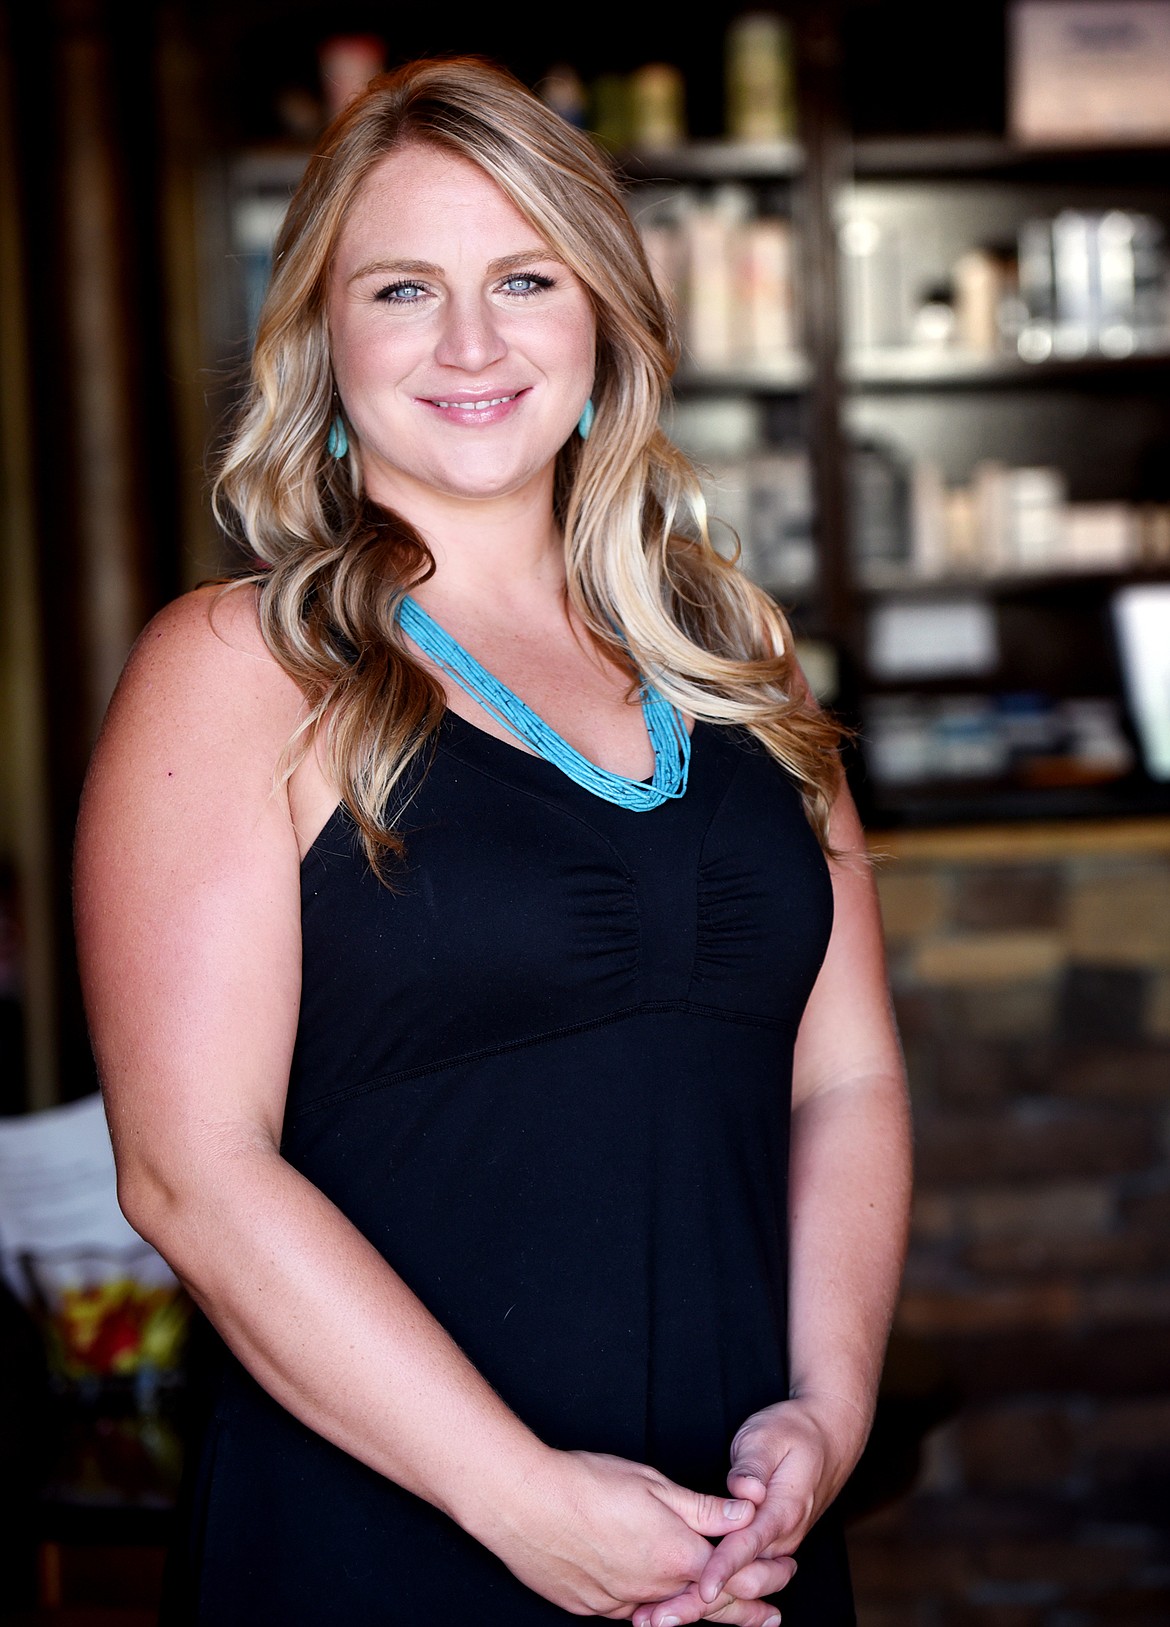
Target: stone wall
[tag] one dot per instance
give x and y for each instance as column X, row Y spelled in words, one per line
column 1031, row 975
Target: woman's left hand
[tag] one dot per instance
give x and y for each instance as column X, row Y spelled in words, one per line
column 790, row 1460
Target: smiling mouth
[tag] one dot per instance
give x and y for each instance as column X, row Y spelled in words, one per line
column 475, row 406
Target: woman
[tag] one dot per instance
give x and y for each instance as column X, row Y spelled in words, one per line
column 449, row 1068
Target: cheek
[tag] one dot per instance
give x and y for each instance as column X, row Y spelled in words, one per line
column 368, row 363
column 577, row 344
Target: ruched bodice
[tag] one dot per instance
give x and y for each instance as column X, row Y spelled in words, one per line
column 547, row 1073
column 528, row 905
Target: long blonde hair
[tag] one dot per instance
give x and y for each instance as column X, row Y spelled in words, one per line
column 638, row 554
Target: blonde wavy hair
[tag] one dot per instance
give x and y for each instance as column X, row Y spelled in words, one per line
column 638, row 555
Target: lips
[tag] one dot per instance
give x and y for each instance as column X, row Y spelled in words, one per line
column 475, row 406
column 469, row 409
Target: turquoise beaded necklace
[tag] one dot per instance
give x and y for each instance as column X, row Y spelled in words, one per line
column 664, row 723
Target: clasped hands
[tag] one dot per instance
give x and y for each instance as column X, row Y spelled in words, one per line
column 786, row 1467
column 617, row 1539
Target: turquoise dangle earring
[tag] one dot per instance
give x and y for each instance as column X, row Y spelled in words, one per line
column 585, row 422
column 338, row 443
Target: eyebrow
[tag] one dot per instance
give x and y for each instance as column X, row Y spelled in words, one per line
column 424, row 268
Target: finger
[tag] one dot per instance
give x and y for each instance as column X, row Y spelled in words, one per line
column 754, row 1461
column 755, row 1457
column 688, row 1607
column 745, row 1483
column 709, row 1516
column 776, row 1529
column 755, row 1581
column 763, row 1575
column 744, row 1613
column 681, row 1607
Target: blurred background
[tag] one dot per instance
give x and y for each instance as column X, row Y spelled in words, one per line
column 919, row 260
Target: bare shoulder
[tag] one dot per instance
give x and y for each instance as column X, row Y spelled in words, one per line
column 196, row 728
column 206, row 649
column 201, row 679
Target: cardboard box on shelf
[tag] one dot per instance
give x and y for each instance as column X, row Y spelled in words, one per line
column 1089, row 72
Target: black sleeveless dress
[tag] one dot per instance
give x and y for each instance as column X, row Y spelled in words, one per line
column 548, row 1076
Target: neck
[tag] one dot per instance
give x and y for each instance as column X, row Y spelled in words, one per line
column 502, row 551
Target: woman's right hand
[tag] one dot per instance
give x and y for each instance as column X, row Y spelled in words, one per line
column 599, row 1535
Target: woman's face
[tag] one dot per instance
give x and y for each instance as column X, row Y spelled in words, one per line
column 463, row 349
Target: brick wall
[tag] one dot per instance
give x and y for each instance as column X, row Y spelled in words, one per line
column 1031, row 974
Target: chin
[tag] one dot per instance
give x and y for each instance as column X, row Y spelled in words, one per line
column 487, row 483
column 474, row 473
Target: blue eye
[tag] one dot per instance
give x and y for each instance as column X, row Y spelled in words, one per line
column 526, row 283
column 401, row 293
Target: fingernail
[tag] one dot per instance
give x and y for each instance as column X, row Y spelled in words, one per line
column 670, row 1621
column 738, row 1509
column 772, row 1621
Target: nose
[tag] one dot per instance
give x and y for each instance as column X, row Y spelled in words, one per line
column 470, row 338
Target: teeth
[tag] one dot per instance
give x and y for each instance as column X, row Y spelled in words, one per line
column 475, row 406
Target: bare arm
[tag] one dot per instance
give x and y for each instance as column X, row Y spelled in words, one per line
column 188, row 915
column 849, row 1195
column 850, row 1166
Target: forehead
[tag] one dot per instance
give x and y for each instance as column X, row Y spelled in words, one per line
column 420, row 195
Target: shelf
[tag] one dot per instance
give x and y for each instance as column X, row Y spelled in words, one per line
column 908, row 367
column 1006, row 585
column 782, row 377
column 950, row 802
column 931, row 157
column 999, row 843
column 716, row 161
column 284, row 164
column 978, row 157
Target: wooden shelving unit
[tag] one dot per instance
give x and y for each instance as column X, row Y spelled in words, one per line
column 1101, row 418
column 914, row 368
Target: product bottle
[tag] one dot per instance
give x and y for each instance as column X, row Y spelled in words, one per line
column 712, row 233
column 760, row 100
column 657, row 108
column 766, row 329
column 609, row 116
